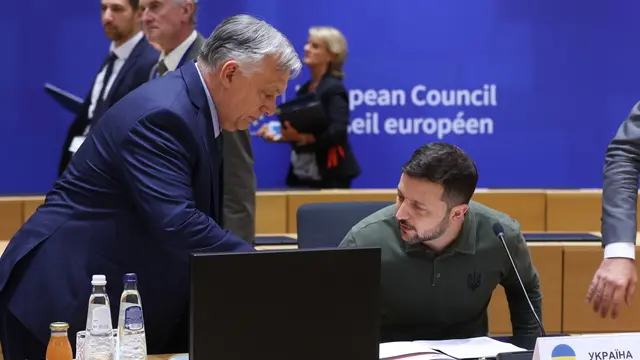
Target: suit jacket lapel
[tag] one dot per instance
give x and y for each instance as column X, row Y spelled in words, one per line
column 128, row 65
column 195, row 48
column 205, row 123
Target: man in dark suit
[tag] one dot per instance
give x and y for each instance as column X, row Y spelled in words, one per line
column 142, row 193
column 126, row 67
column 171, row 25
column 615, row 280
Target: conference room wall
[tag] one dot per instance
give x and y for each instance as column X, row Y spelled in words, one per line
column 541, row 135
column 580, row 262
column 536, row 210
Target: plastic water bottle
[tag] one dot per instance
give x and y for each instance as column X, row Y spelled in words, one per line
column 99, row 343
column 132, row 344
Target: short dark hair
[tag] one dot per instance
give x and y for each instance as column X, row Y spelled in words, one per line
column 446, row 165
column 134, row 4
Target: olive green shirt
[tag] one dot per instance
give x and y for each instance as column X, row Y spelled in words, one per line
column 429, row 296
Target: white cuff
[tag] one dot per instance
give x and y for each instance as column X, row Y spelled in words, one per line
column 620, row 250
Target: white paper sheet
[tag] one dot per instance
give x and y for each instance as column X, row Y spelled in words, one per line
column 470, row 348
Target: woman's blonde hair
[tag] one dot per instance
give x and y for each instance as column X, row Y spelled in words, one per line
column 335, row 43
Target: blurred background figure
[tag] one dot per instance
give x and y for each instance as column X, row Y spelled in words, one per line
column 324, row 159
column 170, row 24
column 127, row 66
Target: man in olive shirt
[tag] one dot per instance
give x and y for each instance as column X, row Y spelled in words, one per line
column 441, row 261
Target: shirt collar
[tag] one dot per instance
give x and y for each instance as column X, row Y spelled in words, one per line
column 172, row 59
column 124, row 51
column 214, row 114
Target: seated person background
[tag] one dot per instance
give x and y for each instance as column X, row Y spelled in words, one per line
column 441, row 261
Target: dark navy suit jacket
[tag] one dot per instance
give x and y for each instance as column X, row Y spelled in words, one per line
column 141, row 194
column 135, row 72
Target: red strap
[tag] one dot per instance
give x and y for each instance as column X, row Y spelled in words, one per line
column 332, row 156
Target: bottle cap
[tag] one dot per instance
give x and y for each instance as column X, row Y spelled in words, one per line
column 130, row 278
column 59, row 326
column 99, row 280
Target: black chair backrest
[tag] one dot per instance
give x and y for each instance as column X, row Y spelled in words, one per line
column 322, row 225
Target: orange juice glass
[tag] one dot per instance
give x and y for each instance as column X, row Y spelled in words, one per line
column 59, row 347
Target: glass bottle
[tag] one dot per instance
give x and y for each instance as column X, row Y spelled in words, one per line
column 59, row 347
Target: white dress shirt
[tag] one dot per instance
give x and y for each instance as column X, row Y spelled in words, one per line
column 122, row 52
column 620, row 250
column 212, row 107
column 172, row 59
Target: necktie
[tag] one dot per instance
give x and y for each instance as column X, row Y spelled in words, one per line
column 105, row 80
column 162, row 68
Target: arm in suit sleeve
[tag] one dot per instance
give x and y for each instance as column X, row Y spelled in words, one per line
column 337, row 112
column 157, row 171
column 620, row 189
column 239, row 185
column 523, row 322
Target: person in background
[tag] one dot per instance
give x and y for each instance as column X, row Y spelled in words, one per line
column 324, row 159
column 171, row 25
column 126, row 67
column 441, row 260
column 614, row 282
column 142, row 194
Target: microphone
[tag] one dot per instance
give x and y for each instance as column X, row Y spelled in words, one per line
column 498, row 230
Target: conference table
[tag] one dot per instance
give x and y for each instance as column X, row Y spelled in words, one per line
column 527, row 342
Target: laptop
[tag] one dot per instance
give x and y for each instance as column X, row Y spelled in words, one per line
column 294, row 304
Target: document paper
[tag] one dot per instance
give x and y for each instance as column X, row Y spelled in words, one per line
column 410, row 351
column 471, row 348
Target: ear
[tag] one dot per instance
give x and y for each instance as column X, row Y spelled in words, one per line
column 458, row 212
column 228, row 72
column 188, row 9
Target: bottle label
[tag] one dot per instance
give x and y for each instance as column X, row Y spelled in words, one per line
column 101, row 319
column 133, row 318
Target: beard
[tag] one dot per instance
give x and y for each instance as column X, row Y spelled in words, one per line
column 432, row 234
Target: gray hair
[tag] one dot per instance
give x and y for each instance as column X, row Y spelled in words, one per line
column 193, row 19
column 248, row 41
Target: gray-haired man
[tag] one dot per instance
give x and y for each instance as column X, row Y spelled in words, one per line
column 142, row 193
column 615, row 280
column 170, row 24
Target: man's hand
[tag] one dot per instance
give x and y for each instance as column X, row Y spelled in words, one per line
column 614, row 281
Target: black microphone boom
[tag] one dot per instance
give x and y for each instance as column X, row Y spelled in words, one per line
column 499, row 231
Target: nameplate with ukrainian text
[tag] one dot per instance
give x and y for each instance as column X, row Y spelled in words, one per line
column 619, row 346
